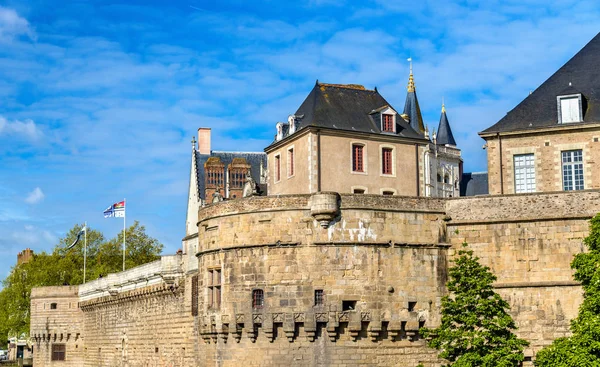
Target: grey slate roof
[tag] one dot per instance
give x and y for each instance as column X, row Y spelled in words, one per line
column 346, row 107
column 412, row 109
column 539, row 109
column 253, row 158
column 475, row 183
column 444, row 132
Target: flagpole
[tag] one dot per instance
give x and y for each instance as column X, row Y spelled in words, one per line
column 84, row 250
column 124, row 216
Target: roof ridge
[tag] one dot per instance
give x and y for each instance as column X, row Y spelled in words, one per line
column 347, row 86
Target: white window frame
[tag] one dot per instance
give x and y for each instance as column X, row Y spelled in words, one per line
column 394, row 191
column 381, row 148
column 559, row 99
column 352, row 188
column 291, row 166
column 524, row 165
column 574, row 179
column 365, row 160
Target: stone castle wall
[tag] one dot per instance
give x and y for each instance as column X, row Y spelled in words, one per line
column 380, row 261
column 56, row 320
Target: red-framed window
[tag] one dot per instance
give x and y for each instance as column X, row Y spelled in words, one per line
column 386, row 161
column 291, row 162
column 258, row 298
column 277, row 168
column 388, row 123
column 358, row 158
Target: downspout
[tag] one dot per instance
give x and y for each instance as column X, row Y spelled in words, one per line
column 417, row 165
column 318, row 160
column 501, row 168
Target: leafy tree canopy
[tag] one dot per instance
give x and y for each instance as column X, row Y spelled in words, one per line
column 476, row 329
column 65, row 266
column 583, row 347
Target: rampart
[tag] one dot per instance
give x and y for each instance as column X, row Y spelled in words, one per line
column 332, row 280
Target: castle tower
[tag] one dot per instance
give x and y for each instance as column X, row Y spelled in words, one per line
column 444, row 132
column 24, row 256
column 412, row 111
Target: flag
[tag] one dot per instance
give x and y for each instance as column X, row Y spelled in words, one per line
column 109, row 212
column 119, row 209
column 82, row 231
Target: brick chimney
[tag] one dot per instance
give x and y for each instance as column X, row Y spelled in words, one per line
column 204, row 140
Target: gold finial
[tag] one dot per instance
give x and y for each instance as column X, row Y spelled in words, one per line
column 411, row 80
column 443, row 106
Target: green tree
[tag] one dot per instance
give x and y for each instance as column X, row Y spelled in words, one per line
column 583, row 347
column 476, row 329
column 65, row 266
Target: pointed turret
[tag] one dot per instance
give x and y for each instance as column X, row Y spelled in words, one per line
column 444, row 135
column 412, row 111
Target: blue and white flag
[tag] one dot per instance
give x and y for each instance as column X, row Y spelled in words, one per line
column 109, row 212
column 81, row 232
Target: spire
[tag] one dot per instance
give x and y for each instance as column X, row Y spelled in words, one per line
column 412, row 111
column 411, row 80
column 444, row 135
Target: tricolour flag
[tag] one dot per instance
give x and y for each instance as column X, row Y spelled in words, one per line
column 82, row 231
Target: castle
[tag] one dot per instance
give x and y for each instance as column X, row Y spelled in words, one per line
column 347, row 256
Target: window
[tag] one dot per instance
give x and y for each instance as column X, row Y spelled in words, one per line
column 348, row 305
column 237, row 178
column 388, row 123
column 277, row 168
column 446, row 179
column 524, row 173
column 53, row 306
column 319, row 297
column 387, row 161
column 214, row 288
column 290, row 162
column 358, row 191
column 570, row 110
column 258, row 298
column 357, row 158
column 572, row 170
column 439, row 178
column 411, row 306
column 195, row 295
column 58, row 352
column 388, row 193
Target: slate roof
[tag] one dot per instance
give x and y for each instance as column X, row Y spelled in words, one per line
column 253, row 158
column 412, row 109
column 444, row 132
column 475, row 183
column 539, row 109
column 348, row 107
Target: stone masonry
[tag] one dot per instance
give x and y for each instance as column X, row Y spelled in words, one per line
column 328, row 280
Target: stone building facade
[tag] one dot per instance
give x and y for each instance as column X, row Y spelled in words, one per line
column 551, row 140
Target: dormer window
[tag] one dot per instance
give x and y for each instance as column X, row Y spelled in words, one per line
column 387, row 123
column 279, row 127
column 292, row 123
column 569, row 109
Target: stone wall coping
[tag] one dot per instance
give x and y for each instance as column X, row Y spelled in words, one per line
column 298, row 202
column 563, row 283
column 156, row 272
column 544, row 193
column 61, row 291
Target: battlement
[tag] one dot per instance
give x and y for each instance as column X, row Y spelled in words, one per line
column 166, row 270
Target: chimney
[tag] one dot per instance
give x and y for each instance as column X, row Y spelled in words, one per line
column 204, row 140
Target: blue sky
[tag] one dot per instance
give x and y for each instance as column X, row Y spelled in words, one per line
column 99, row 99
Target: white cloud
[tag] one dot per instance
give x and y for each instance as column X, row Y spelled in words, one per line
column 12, row 25
column 35, row 196
column 26, row 128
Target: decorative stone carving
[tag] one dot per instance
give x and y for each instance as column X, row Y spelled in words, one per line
column 249, row 186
